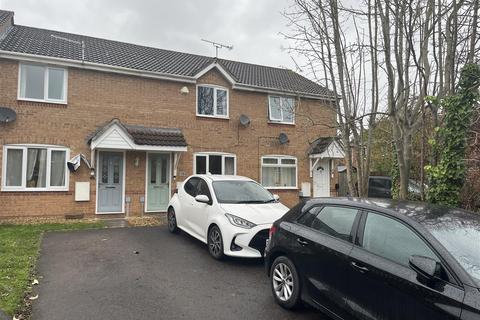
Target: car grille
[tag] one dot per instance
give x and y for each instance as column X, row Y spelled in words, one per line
column 259, row 240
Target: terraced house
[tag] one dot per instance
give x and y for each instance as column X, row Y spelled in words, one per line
column 93, row 126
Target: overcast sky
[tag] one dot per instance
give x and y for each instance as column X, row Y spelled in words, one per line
column 251, row 26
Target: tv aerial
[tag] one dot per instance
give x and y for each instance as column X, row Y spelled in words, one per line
column 218, row 45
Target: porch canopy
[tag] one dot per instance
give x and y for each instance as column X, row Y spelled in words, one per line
column 325, row 148
column 116, row 135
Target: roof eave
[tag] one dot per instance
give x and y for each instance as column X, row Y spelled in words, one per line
column 270, row 90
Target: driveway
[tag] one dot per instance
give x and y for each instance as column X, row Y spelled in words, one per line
column 148, row 273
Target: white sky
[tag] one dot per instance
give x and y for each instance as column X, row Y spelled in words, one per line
column 252, row 27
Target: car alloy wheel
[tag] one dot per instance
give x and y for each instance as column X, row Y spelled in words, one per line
column 283, row 281
column 215, row 242
column 172, row 220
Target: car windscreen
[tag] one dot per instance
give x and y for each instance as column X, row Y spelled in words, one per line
column 241, row 192
column 462, row 240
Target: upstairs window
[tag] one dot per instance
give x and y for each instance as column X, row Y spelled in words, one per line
column 42, row 83
column 212, row 101
column 35, row 168
column 281, row 109
column 215, row 163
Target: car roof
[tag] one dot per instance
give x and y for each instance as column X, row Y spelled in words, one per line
column 219, row 177
column 421, row 212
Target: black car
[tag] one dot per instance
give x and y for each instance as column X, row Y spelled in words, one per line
column 377, row 259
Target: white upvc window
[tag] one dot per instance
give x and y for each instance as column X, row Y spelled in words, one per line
column 215, row 163
column 279, row 172
column 42, row 83
column 35, row 168
column 212, row 101
column 281, row 109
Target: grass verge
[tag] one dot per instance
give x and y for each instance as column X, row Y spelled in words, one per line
column 19, row 248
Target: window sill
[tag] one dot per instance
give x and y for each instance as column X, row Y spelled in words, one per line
column 43, row 101
column 281, row 123
column 213, row 117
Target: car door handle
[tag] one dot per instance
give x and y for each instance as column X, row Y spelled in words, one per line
column 302, row 242
column 359, row 267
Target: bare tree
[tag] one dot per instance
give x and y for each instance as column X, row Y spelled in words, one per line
column 415, row 48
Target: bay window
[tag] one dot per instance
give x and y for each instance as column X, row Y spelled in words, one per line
column 35, row 168
column 215, row 163
column 279, row 172
column 42, row 83
column 281, row 109
column 212, row 101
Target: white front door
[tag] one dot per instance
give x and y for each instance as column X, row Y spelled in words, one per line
column 158, row 181
column 321, row 178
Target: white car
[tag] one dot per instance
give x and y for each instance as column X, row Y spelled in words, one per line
column 232, row 214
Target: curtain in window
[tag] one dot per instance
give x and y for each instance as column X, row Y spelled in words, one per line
column 14, row 167
column 271, row 176
column 36, row 168
column 230, row 165
column 57, row 169
column 287, row 177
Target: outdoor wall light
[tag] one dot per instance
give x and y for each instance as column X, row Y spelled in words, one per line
column 184, row 90
column 136, row 162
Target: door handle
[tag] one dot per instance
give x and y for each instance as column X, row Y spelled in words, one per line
column 302, row 242
column 359, row 267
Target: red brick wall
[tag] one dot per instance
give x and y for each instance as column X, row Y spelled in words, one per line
column 94, row 98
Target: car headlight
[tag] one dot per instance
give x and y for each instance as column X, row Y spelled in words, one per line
column 239, row 222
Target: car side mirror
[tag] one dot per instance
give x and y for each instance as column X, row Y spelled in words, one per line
column 276, row 197
column 202, row 198
column 425, row 267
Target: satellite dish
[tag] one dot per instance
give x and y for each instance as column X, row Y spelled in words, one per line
column 244, row 120
column 283, row 138
column 7, row 115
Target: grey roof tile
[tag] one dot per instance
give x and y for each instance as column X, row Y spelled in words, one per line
column 142, row 135
column 29, row 40
column 321, row 144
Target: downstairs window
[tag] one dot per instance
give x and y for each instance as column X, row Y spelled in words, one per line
column 35, row 168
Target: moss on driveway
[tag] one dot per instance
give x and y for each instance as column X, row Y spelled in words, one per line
column 19, row 247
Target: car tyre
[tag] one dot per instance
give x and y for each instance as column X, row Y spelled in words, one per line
column 215, row 243
column 172, row 220
column 285, row 283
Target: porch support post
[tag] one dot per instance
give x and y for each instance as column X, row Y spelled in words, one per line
column 312, row 165
column 176, row 160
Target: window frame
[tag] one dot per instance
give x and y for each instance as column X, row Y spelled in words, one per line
column 280, row 121
column 355, row 227
column 215, row 115
column 47, row 69
column 208, row 154
column 279, row 164
column 24, row 148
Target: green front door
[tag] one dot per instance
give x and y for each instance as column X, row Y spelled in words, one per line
column 158, row 181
